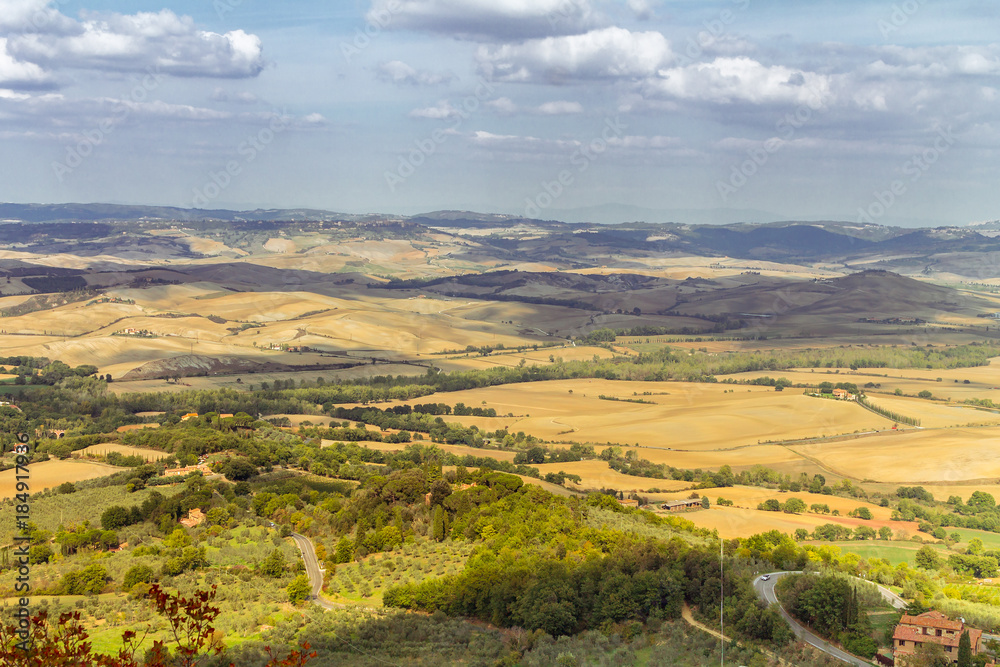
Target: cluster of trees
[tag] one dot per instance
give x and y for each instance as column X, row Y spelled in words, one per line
column 831, row 606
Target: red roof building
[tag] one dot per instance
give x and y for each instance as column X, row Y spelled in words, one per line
column 932, row 627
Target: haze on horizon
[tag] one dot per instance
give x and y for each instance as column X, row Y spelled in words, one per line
column 812, row 110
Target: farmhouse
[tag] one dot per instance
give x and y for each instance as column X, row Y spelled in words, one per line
column 681, row 505
column 935, row 628
column 187, row 470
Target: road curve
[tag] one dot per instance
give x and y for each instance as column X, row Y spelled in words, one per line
column 765, row 591
column 314, row 571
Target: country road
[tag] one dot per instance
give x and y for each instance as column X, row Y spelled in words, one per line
column 314, row 571
column 765, row 591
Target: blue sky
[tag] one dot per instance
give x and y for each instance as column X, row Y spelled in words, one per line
column 875, row 111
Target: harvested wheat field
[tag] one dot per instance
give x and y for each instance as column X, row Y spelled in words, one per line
column 934, row 414
column 913, row 457
column 457, row 450
column 748, row 497
column 737, row 522
column 681, row 416
column 50, row 474
column 108, row 447
column 596, row 475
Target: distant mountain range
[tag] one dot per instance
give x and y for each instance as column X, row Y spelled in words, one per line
column 604, row 214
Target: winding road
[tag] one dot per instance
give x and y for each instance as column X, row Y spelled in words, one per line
column 765, row 591
column 314, row 571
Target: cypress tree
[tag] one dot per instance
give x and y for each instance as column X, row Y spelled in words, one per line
column 965, row 650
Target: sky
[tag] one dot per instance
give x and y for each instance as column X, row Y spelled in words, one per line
column 881, row 112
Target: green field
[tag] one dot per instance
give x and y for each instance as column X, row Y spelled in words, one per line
column 990, row 540
column 894, row 552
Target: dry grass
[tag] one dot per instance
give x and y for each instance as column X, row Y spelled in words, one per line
column 748, row 497
column 738, row 522
column 692, row 417
column 50, row 474
column 458, row 450
column 944, row 455
column 124, row 450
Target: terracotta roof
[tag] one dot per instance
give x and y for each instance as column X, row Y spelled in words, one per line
column 931, row 620
column 908, row 633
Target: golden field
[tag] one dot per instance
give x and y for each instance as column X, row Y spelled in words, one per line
column 106, row 448
column 50, row 474
column 738, row 522
column 681, row 416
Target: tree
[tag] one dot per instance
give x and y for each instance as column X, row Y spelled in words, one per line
column 299, row 590
column 274, row 564
column 344, row 552
column 137, row 574
column 965, row 650
column 437, row 524
column 239, row 470
column 863, row 513
column 115, row 517
column 980, row 501
column 924, row 394
column 794, row 506
column 927, row 558
column 705, row 502
column 885, row 533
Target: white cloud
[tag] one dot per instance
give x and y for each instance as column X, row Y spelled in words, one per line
column 560, row 108
column 486, row 19
column 169, row 43
column 608, row 53
column 19, row 74
column 732, row 80
column 399, row 73
column 440, row 111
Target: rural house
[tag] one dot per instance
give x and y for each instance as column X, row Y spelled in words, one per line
column 931, row 627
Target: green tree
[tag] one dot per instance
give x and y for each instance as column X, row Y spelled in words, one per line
column 863, row 513
column 980, row 501
column 115, row 517
column 794, row 506
column 299, row 590
column 437, row 524
column 273, row 565
column 344, row 552
column 927, row 558
column 924, row 394
column 239, row 469
column 137, row 574
column 705, row 502
column 965, row 650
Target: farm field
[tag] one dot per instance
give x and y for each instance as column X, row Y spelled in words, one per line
column 50, row 474
column 692, row 417
column 738, row 522
column 945, row 455
column 124, row 450
column 984, row 381
column 748, row 497
column 934, row 414
column 458, row 450
column 894, row 552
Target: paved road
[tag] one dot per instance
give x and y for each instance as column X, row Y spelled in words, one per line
column 314, row 571
column 765, row 591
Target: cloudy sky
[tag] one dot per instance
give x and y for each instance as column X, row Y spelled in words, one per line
column 885, row 111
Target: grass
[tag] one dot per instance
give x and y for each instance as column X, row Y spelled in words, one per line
column 893, row 552
column 990, row 540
